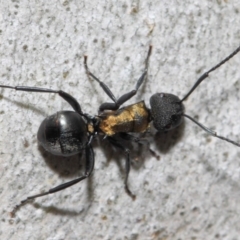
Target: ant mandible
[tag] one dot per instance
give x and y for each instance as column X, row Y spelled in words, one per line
column 67, row 133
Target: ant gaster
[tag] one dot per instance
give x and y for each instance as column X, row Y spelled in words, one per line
column 67, row 133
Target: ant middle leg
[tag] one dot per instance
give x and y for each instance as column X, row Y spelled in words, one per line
column 125, row 97
column 117, row 144
column 139, row 141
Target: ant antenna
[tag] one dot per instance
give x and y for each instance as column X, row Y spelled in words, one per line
column 211, row 132
column 148, row 55
column 204, row 76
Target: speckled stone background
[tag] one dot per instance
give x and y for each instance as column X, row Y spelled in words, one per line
column 193, row 191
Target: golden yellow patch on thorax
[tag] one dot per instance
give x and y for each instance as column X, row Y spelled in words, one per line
column 133, row 118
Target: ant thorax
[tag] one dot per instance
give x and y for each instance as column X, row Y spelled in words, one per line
column 133, row 118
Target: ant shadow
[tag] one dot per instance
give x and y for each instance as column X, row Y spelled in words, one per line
column 26, row 106
column 167, row 140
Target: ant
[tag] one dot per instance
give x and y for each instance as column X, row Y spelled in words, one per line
column 67, row 133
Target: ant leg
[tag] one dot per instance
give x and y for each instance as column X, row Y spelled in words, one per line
column 89, row 168
column 125, row 97
column 67, row 97
column 117, row 144
column 102, row 84
column 139, row 141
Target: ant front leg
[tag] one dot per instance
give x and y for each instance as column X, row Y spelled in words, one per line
column 125, row 97
column 67, row 97
column 89, row 168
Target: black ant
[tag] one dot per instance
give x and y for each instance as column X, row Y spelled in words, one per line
column 67, row 133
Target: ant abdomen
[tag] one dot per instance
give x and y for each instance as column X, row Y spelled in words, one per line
column 63, row 133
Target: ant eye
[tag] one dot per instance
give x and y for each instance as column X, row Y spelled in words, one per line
column 174, row 118
column 167, row 127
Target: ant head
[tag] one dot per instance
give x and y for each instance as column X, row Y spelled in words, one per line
column 166, row 111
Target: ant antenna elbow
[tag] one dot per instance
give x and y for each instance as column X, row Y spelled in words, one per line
column 211, row 132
